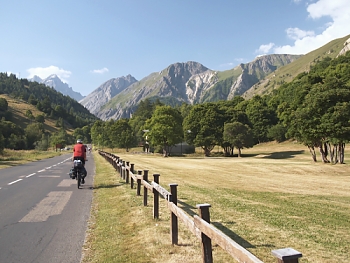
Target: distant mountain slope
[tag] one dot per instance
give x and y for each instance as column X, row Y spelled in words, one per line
column 191, row 82
column 100, row 96
column 288, row 72
column 47, row 100
column 55, row 82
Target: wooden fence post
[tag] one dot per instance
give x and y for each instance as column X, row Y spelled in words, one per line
column 120, row 167
column 173, row 219
column 287, row 255
column 123, row 173
column 128, row 174
column 145, row 190
column 138, row 191
column 127, row 171
column 132, row 178
column 207, row 253
column 156, row 197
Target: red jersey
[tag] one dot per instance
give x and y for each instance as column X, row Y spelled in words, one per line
column 79, row 150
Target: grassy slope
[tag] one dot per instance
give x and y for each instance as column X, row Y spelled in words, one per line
column 289, row 72
column 19, row 108
column 273, row 197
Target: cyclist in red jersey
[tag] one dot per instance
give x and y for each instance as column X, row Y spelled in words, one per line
column 79, row 153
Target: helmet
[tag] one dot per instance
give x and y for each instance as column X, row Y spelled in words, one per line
column 79, row 141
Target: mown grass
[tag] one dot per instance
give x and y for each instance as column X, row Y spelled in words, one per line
column 273, row 197
column 12, row 158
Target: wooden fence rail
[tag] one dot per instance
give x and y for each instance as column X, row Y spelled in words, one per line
column 199, row 225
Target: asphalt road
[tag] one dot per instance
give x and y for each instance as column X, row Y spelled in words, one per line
column 43, row 215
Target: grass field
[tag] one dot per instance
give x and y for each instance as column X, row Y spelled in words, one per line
column 273, row 197
column 12, row 158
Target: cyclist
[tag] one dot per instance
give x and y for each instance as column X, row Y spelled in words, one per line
column 79, row 153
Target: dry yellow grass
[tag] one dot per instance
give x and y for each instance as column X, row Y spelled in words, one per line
column 271, row 198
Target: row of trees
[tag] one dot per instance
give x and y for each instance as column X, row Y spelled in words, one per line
column 225, row 123
column 314, row 109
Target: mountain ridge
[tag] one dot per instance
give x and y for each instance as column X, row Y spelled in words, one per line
column 191, row 82
column 56, row 83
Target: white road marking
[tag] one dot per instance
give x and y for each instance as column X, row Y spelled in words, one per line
column 15, row 181
column 41, row 170
column 52, row 204
column 29, row 175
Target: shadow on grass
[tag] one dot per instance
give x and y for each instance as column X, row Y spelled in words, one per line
column 191, row 210
column 238, row 239
column 284, row 154
column 106, row 186
column 274, row 155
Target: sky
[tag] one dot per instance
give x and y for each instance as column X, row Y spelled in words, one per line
column 88, row 42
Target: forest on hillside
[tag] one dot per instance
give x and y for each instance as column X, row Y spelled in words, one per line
column 314, row 109
column 52, row 104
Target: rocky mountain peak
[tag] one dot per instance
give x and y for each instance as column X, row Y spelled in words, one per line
column 105, row 92
column 56, row 83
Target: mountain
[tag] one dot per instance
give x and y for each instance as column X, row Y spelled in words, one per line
column 289, row 72
column 55, row 82
column 192, row 83
column 106, row 92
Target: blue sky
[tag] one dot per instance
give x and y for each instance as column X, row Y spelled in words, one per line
column 89, row 42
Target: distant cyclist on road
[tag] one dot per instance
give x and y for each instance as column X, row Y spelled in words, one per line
column 79, row 153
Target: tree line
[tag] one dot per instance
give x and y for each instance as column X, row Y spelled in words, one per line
column 313, row 109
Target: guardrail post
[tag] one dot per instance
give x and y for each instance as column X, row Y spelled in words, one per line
column 128, row 174
column 145, row 190
column 207, row 253
column 287, row 255
column 156, row 197
column 138, row 191
column 173, row 219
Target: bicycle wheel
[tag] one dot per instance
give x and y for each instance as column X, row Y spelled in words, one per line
column 78, row 178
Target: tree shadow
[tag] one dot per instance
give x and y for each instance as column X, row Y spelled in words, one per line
column 238, row 239
column 284, row 154
column 191, row 210
column 273, row 155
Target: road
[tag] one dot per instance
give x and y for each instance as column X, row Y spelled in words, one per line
column 43, row 215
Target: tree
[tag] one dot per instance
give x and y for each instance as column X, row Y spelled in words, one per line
column 99, row 134
column 239, row 135
column 261, row 116
column 33, row 133
column 203, row 126
column 59, row 138
column 3, row 105
column 165, row 128
column 122, row 134
column 2, row 144
column 40, row 118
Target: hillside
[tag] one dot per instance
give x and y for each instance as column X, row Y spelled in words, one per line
column 47, row 100
column 288, row 72
column 18, row 108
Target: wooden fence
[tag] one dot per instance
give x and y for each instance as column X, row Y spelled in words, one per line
column 199, row 225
